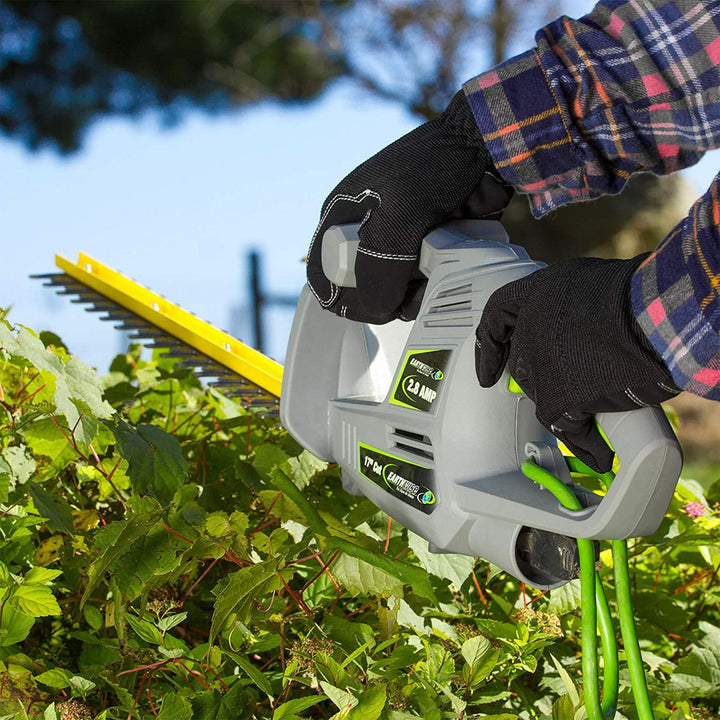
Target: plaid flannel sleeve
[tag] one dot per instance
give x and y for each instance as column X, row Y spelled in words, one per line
column 675, row 297
column 633, row 86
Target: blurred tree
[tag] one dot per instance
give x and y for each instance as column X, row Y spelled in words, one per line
column 419, row 52
column 63, row 63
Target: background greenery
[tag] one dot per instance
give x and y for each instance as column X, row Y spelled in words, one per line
column 167, row 554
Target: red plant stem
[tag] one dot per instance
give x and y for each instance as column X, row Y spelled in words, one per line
column 537, row 597
column 8, row 509
column 175, row 533
column 195, row 675
column 70, row 439
column 364, row 607
column 657, row 576
column 219, row 679
column 108, row 475
column 480, row 592
column 149, row 694
column 152, row 666
column 198, row 581
column 387, row 535
column 267, row 512
column 283, row 641
column 324, row 569
column 301, row 604
column 696, row 579
column 31, row 396
column 137, row 697
column 22, row 389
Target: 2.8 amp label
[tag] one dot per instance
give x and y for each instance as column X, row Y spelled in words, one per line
column 413, row 484
column 421, row 379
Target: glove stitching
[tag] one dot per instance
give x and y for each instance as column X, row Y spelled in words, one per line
column 635, row 398
column 385, row 256
column 669, row 389
column 335, row 290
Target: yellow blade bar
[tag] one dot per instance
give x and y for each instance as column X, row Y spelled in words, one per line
column 172, row 319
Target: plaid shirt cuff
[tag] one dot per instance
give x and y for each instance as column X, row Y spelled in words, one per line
column 529, row 139
column 676, row 302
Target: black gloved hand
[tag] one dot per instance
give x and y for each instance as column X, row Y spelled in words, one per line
column 576, row 349
column 440, row 170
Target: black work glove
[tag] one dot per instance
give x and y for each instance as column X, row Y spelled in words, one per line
column 576, row 349
column 440, row 170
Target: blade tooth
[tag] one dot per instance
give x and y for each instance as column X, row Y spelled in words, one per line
column 119, row 314
column 146, row 333
column 53, row 279
column 85, row 297
column 184, row 351
column 167, row 343
column 100, row 307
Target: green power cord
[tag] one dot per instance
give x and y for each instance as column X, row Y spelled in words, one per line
column 596, row 612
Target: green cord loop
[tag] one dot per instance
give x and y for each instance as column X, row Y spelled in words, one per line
column 596, row 611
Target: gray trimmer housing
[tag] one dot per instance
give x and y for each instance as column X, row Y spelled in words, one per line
column 399, row 409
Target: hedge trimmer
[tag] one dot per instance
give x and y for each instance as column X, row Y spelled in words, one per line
column 397, row 407
column 470, row 469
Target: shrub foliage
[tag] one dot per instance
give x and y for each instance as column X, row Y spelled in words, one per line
column 168, row 554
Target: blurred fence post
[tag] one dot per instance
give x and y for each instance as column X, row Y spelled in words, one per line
column 259, row 299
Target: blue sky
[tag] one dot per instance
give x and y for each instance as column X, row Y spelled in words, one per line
column 178, row 209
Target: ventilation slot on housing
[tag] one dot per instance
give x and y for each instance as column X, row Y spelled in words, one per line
column 413, row 443
column 450, row 308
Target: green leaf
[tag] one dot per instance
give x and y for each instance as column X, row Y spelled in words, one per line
column 82, row 685
column 170, row 653
column 175, row 707
column 572, row 692
column 131, row 530
column 565, row 599
column 40, row 576
column 56, row 678
column 563, row 709
column 170, row 621
column 451, row 566
column 290, row 709
column 268, row 457
column 370, row 704
column 18, row 463
column 54, row 508
column 238, row 593
column 15, row 626
column 75, row 382
column 144, row 629
column 253, row 672
column 93, row 617
column 155, row 460
column 304, row 467
column 218, row 524
column 480, row 657
column 361, row 577
column 50, row 712
column 35, row 600
column 341, row 699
